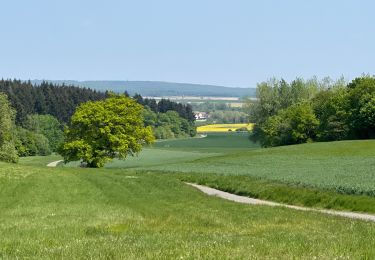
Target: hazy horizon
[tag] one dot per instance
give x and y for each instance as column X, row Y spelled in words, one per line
column 233, row 44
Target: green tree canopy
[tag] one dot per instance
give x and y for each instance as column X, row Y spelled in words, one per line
column 168, row 125
column 48, row 126
column 8, row 152
column 29, row 143
column 102, row 130
column 293, row 125
column 361, row 100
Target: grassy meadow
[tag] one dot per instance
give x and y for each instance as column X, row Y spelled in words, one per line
column 213, row 142
column 333, row 175
column 346, row 167
column 140, row 207
column 118, row 213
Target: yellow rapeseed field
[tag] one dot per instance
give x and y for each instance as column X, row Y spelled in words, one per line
column 222, row 127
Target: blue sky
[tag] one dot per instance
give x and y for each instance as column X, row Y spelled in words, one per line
column 231, row 43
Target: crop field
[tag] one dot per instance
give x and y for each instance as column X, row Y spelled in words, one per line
column 213, row 142
column 222, row 127
column 75, row 213
column 346, row 167
column 336, row 175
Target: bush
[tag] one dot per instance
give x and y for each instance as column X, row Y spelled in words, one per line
column 48, row 126
column 241, row 129
column 30, row 144
column 8, row 153
column 168, row 125
column 294, row 125
column 163, row 132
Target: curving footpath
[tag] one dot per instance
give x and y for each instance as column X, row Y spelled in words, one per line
column 54, row 164
column 247, row 200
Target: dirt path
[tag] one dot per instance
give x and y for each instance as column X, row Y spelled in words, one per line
column 54, row 164
column 247, row 200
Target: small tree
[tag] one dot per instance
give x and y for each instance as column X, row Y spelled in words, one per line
column 102, row 130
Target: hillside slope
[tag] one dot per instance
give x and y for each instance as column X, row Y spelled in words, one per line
column 54, row 213
column 159, row 88
column 346, row 167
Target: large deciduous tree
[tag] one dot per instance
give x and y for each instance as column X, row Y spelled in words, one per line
column 102, row 130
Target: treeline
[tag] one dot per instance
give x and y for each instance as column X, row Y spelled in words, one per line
column 59, row 101
column 164, row 105
column 227, row 117
column 168, row 125
column 40, row 135
column 168, row 119
column 32, row 117
column 312, row 110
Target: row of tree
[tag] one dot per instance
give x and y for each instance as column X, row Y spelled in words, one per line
column 311, row 110
column 165, row 105
column 168, row 125
column 59, row 101
column 41, row 135
column 32, row 118
column 227, row 117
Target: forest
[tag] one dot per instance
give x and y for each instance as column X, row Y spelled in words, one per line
column 33, row 117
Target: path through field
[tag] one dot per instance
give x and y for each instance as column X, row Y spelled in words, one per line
column 246, row 200
column 54, row 164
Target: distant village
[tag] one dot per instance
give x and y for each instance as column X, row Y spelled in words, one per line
column 201, row 116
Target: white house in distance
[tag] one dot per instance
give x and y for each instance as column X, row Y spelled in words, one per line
column 201, row 116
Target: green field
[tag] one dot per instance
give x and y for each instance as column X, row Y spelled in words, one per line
column 213, row 142
column 140, row 208
column 177, row 151
column 115, row 213
column 346, row 167
column 318, row 175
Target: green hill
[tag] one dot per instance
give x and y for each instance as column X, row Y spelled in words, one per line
column 159, row 88
column 75, row 213
column 344, row 167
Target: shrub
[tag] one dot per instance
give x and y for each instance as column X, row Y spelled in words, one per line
column 294, row 125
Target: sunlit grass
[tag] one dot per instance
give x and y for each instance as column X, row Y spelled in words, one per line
column 345, row 167
column 77, row 213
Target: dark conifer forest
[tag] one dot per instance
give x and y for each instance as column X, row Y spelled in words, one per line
column 60, row 101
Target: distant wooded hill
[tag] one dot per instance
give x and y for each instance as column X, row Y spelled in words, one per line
column 158, row 88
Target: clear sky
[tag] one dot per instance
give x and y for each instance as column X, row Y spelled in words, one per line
column 225, row 42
